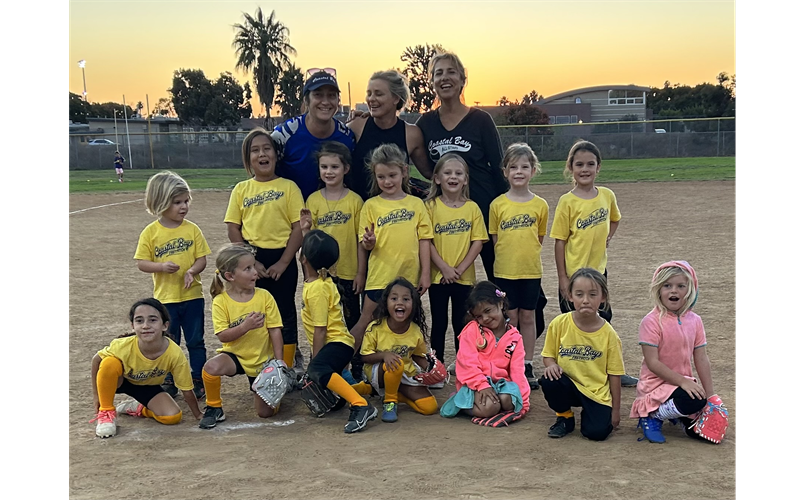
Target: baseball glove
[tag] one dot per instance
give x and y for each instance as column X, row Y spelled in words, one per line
column 499, row 420
column 318, row 399
column 711, row 423
column 273, row 381
column 436, row 371
column 418, row 187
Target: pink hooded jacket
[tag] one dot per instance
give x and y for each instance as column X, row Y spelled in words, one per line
column 503, row 359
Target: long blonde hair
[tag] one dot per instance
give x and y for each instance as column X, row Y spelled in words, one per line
column 226, row 262
column 661, row 276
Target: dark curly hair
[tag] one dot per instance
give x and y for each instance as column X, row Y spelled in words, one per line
column 381, row 312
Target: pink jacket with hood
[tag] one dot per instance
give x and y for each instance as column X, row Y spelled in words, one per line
column 501, row 359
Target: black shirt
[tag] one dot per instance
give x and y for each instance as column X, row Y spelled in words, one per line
column 476, row 140
column 359, row 177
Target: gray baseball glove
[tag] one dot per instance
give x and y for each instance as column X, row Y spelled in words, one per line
column 273, row 381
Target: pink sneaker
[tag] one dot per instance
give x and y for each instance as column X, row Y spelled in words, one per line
column 107, row 423
column 130, row 407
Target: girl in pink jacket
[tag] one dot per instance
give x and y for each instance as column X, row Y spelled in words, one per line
column 491, row 385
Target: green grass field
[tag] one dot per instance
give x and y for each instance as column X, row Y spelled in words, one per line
column 650, row 169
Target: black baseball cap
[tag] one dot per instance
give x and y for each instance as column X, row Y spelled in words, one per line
column 319, row 79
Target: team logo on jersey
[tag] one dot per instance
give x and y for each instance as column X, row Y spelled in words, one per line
column 238, row 321
column 453, row 227
column 598, row 216
column 333, row 219
column 579, row 352
column 140, row 376
column 519, row 221
column 395, row 216
column 439, row 148
column 401, row 350
column 263, row 198
column 174, row 246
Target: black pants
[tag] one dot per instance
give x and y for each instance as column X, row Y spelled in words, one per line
column 333, row 357
column 567, row 306
column 350, row 301
column 440, row 295
column 283, row 290
column 562, row 394
column 488, row 258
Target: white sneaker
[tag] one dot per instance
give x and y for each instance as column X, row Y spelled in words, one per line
column 451, row 368
column 130, row 407
column 107, row 423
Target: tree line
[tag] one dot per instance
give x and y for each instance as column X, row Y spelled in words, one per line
column 263, row 50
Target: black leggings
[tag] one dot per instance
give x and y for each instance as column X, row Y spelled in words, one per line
column 283, row 290
column 440, row 295
column 333, row 357
column 562, row 394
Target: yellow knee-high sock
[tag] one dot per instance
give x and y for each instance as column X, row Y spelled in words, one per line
column 391, row 381
column 109, row 372
column 212, row 387
column 425, row 406
column 163, row 419
column 362, row 388
column 338, row 385
column 288, row 353
column 566, row 414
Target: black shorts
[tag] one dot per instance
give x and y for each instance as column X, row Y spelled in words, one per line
column 239, row 369
column 522, row 294
column 373, row 295
column 142, row 393
column 333, row 357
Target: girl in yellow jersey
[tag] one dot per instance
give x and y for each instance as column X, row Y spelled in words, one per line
column 336, row 210
column 332, row 346
column 518, row 221
column 459, row 234
column 247, row 321
column 396, row 229
column 264, row 212
column 136, row 364
column 585, row 221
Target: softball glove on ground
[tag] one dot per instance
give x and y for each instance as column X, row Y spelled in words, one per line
column 273, row 381
column 711, row 423
column 436, row 371
column 318, row 399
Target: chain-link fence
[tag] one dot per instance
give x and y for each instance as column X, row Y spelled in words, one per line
column 222, row 149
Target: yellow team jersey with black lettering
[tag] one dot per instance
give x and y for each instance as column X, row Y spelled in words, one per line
column 454, row 230
column 254, row 347
column 586, row 358
column 181, row 245
column 265, row 211
column 340, row 219
column 584, row 225
column 140, row 370
column 399, row 225
column 379, row 338
column 518, row 226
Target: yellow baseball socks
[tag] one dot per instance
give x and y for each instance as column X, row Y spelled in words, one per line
column 391, row 381
column 212, row 386
column 288, row 352
column 425, row 406
column 109, row 372
column 338, row 385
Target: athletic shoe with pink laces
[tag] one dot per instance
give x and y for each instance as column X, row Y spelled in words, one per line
column 130, row 407
column 107, row 423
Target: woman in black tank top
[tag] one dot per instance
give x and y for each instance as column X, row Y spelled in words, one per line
column 386, row 94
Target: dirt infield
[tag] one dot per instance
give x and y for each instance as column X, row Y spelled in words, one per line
column 419, row 457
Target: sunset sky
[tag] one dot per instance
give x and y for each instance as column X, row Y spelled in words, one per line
column 508, row 48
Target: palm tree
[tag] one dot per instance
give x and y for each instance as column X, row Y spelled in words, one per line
column 289, row 97
column 262, row 47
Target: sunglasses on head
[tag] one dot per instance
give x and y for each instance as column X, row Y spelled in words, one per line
column 313, row 71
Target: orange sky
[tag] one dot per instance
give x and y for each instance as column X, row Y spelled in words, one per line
column 508, row 48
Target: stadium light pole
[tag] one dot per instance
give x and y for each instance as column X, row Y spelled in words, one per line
column 81, row 65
